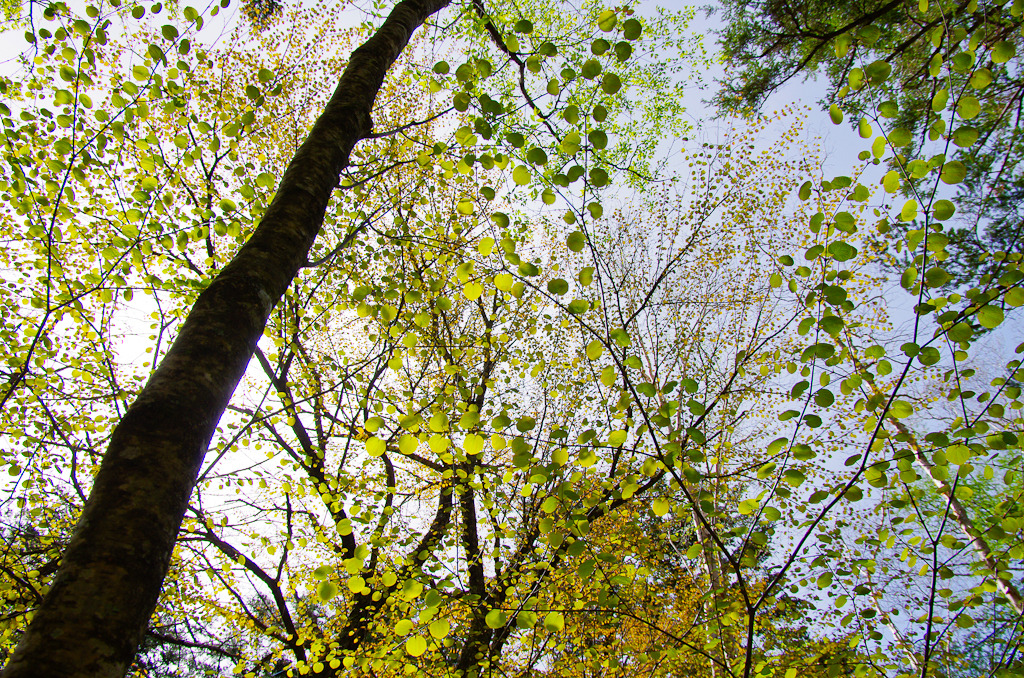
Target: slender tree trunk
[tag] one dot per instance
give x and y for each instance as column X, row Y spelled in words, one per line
column 94, row 616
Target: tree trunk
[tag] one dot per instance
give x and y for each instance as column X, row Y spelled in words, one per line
column 94, row 616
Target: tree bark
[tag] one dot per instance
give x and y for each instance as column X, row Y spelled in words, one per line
column 964, row 521
column 95, row 614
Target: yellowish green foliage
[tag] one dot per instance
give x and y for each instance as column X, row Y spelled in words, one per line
column 537, row 404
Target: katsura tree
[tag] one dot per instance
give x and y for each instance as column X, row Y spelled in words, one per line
column 937, row 77
column 483, row 384
column 131, row 237
column 941, row 80
column 534, row 451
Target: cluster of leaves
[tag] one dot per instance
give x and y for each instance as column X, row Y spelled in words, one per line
column 499, row 423
column 939, row 78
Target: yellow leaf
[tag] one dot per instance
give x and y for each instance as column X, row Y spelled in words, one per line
column 375, row 447
column 416, row 646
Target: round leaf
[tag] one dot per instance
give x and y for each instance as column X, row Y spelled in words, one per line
column 440, row 628
column 554, row 622
column 495, row 619
column 953, row 172
column 416, row 646
column 631, row 29
column 326, row 590
column 521, row 175
column 943, row 209
column 611, row 83
column 375, row 447
column 990, row 316
column 558, row 286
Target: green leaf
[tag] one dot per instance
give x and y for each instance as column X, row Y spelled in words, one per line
column 990, row 316
column 631, row 29
column 832, row 325
column 554, row 622
column 960, row 332
column 878, row 71
column 835, row 114
column 326, row 590
column 375, row 447
column 537, row 156
column 1003, row 51
column 936, row 277
column 981, row 78
column 968, row 107
column 660, row 506
column 606, row 20
column 901, row 409
column 440, row 628
column 521, row 175
column 958, row 454
column 909, row 211
column 473, row 444
column 842, row 251
column 794, row 477
column 577, row 306
column 416, row 646
column 611, row 83
column 891, row 181
column 842, row 46
column 558, row 286
column 576, row 241
column 943, row 209
column 805, row 190
column 900, row 137
column 953, row 172
column 570, row 145
column 965, row 136
column 856, row 78
column 495, row 619
column 595, row 349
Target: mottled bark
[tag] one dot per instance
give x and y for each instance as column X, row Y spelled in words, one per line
column 94, row 616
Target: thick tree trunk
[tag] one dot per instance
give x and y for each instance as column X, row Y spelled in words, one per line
column 96, row 612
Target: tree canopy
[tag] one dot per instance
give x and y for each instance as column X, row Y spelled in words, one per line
column 438, row 338
column 938, row 78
